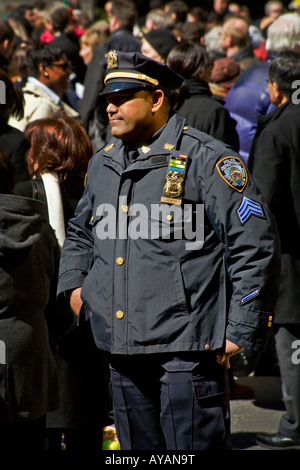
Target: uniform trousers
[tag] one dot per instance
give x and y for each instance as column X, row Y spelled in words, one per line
column 170, row 402
column 287, row 338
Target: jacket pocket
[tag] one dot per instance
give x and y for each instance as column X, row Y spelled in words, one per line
column 211, row 387
column 179, row 287
column 103, row 222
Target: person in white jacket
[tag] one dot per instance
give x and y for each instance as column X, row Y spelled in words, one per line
column 48, row 75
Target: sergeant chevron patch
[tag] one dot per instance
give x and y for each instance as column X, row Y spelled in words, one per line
column 249, row 208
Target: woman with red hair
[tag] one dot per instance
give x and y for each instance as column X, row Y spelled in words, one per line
column 60, row 150
column 57, row 161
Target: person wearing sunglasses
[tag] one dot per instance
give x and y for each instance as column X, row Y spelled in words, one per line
column 169, row 312
column 47, row 81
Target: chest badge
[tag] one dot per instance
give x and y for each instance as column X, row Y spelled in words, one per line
column 174, row 184
column 233, row 171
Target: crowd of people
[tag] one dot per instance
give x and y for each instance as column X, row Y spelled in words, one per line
column 209, row 80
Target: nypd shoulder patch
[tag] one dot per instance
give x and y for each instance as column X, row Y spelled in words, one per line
column 249, row 208
column 233, row 171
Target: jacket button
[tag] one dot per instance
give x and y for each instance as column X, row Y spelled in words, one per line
column 120, row 314
column 119, row 261
column 207, row 347
column 270, row 318
column 124, row 209
column 169, row 217
column 269, row 323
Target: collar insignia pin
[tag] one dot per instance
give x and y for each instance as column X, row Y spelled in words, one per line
column 169, row 146
column 109, row 147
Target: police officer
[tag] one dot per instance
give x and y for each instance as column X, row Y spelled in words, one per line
column 174, row 257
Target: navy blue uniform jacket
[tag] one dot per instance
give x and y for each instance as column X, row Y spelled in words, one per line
column 147, row 292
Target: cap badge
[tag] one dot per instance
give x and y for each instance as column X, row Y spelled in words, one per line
column 112, row 60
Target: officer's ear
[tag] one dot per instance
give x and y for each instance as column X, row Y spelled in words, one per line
column 158, row 97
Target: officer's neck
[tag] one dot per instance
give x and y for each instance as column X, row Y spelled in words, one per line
column 145, row 142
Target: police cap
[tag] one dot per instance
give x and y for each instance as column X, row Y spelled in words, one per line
column 130, row 70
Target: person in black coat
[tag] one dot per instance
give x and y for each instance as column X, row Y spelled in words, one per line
column 12, row 141
column 274, row 163
column 58, row 158
column 30, row 320
column 7, row 41
column 194, row 99
column 67, row 41
column 122, row 19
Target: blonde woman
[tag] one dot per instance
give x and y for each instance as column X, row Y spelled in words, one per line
column 93, row 36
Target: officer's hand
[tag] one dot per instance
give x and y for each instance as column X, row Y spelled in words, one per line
column 75, row 300
column 222, row 357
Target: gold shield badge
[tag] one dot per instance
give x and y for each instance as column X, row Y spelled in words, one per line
column 174, row 184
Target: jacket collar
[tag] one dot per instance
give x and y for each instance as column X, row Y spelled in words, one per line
column 265, row 119
column 243, row 53
column 35, row 89
column 196, row 86
column 121, row 32
column 166, row 142
column 41, row 85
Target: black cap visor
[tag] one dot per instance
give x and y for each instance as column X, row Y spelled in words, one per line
column 115, row 87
